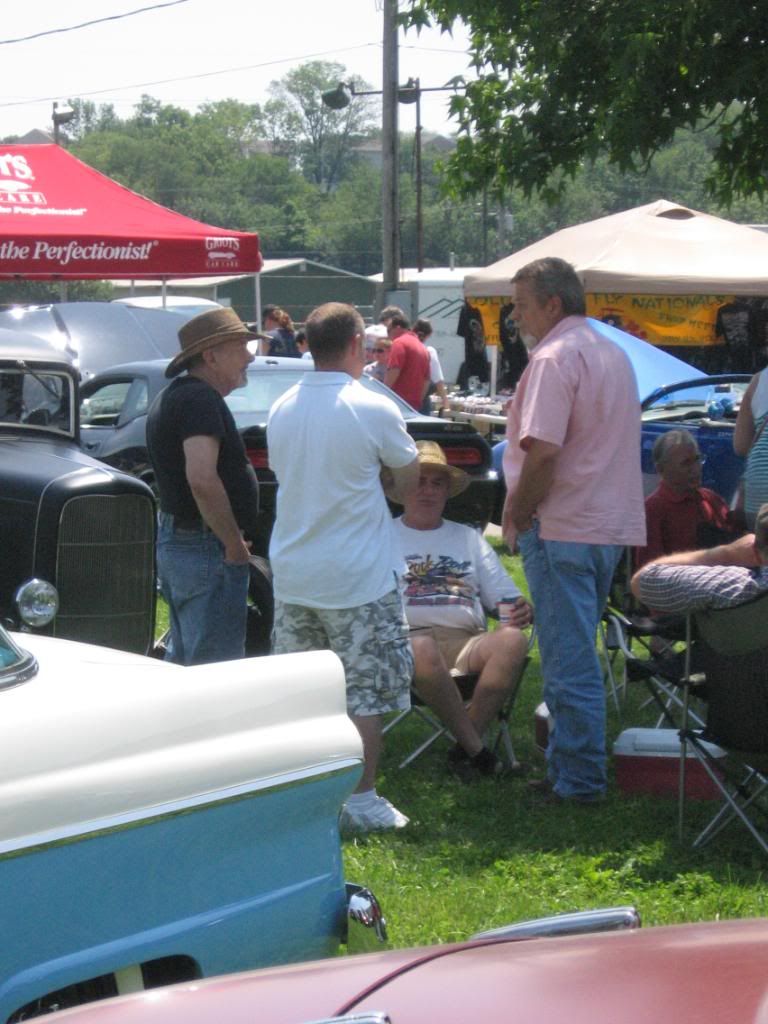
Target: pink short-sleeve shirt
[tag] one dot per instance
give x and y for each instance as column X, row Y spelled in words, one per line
column 579, row 392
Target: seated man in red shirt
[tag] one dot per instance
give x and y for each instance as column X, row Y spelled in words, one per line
column 681, row 515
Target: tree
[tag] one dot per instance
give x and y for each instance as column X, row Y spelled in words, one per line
column 300, row 126
column 563, row 81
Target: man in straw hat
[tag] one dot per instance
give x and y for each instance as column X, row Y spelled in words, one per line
column 453, row 578
column 332, row 549
column 209, row 494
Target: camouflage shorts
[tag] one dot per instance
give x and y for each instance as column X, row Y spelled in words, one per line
column 371, row 641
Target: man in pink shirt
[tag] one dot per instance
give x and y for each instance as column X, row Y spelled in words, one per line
column 574, row 502
column 408, row 363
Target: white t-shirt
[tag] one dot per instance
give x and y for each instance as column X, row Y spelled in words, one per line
column 333, row 541
column 435, row 369
column 453, row 576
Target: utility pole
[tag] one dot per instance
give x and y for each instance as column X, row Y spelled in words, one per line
column 390, row 163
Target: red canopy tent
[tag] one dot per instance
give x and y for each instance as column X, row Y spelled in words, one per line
column 60, row 219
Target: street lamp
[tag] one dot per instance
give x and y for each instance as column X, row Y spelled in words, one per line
column 342, row 96
column 60, row 116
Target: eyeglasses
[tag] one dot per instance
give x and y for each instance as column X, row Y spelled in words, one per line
column 378, row 351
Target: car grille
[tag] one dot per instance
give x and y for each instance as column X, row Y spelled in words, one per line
column 104, row 571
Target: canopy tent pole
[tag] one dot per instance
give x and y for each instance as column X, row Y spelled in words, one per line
column 164, row 291
column 257, row 295
column 492, row 352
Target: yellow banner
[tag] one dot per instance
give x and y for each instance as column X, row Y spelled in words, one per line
column 661, row 319
column 490, row 310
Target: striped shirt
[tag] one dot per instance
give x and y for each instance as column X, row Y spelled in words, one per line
column 680, row 589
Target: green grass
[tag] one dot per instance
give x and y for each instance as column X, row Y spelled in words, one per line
column 478, row 856
column 481, row 855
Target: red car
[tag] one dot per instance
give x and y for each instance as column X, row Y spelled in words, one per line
column 683, row 974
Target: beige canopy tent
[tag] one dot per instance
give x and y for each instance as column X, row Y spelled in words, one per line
column 660, row 271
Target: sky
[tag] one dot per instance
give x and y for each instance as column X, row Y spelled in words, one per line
column 199, row 51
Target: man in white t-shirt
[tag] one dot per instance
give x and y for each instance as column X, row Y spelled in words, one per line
column 331, row 442
column 453, row 578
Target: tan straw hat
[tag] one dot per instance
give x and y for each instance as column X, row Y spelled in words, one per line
column 206, row 331
column 431, row 454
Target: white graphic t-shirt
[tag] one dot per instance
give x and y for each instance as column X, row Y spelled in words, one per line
column 452, row 578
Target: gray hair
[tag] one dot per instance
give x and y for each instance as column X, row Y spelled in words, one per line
column 552, row 276
column 671, row 439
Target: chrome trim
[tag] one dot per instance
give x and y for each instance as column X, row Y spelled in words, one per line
column 366, row 924
column 147, row 815
column 583, row 922
column 369, row 1017
column 21, row 670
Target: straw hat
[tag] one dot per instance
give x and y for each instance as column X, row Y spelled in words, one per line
column 206, row 331
column 431, row 454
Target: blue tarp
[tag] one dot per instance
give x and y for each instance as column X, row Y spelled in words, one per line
column 653, row 367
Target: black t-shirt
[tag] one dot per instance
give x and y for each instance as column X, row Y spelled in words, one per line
column 190, row 407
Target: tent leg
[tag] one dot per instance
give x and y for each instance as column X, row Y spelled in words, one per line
column 257, row 298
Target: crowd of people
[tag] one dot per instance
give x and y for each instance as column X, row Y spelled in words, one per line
column 405, row 602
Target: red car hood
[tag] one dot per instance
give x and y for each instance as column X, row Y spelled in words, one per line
column 681, row 975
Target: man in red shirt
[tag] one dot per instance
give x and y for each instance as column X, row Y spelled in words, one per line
column 681, row 515
column 408, row 364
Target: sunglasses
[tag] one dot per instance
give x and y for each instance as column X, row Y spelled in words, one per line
column 377, row 351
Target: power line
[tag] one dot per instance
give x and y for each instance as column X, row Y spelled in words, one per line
column 87, row 24
column 205, row 74
column 188, row 78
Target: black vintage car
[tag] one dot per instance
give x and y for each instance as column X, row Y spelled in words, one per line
column 66, row 519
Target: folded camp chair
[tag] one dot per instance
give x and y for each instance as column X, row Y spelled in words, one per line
column 732, row 654
column 501, row 741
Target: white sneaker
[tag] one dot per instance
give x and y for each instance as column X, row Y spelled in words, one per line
column 378, row 815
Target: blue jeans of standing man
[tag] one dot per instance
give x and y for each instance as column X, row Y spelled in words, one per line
column 569, row 586
column 207, row 597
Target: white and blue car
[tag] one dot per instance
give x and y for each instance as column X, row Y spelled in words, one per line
column 160, row 823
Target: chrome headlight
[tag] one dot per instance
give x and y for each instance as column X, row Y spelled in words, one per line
column 37, row 602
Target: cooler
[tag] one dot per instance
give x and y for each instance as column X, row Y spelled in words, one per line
column 648, row 761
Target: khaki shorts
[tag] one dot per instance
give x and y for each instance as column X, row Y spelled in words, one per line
column 371, row 640
column 456, row 645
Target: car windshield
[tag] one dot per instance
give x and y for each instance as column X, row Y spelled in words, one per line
column 265, row 385
column 37, row 398
column 250, row 405
column 381, row 389
column 16, row 664
column 707, row 400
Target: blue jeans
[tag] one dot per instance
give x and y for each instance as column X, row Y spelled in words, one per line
column 207, row 597
column 569, row 586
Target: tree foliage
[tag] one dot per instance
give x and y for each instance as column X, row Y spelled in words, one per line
column 565, row 81
column 221, row 165
column 299, row 124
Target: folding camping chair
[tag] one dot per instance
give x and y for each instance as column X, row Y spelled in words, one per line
column 660, row 676
column 627, row 634
column 732, row 652
column 466, row 683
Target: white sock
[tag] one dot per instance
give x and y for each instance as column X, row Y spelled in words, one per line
column 359, row 801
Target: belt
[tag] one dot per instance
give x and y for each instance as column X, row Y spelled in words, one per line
column 192, row 524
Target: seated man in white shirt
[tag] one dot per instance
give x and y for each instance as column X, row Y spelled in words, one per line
column 453, row 578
